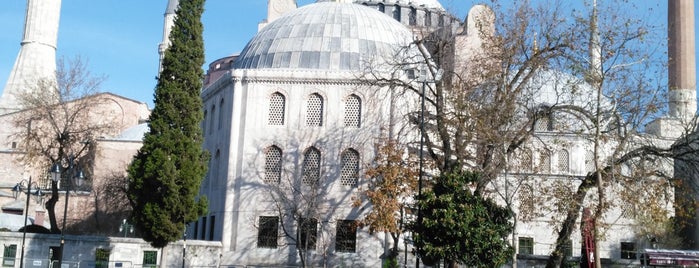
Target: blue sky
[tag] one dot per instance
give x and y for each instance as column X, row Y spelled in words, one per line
column 119, row 38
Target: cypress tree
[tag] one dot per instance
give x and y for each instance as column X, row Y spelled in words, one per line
column 166, row 173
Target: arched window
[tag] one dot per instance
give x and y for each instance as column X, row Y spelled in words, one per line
column 311, row 166
column 220, row 115
column 428, row 18
column 217, row 166
column 589, row 160
column 203, row 122
column 544, row 161
column 563, row 161
column 353, row 111
column 522, row 160
column 349, row 170
column 273, row 164
column 277, row 104
column 440, row 23
column 382, row 8
column 314, row 111
column 412, row 18
column 396, row 12
column 211, row 119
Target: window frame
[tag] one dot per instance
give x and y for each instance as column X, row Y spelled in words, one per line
column 9, row 255
column 273, row 176
column 271, row 121
column 525, row 245
column 150, row 259
column 627, row 250
column 102, row 257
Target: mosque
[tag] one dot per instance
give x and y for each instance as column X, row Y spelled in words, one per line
column 291, row 130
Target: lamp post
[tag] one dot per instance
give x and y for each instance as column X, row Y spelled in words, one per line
column 125, row 227
column 17, row 190
column 56, row 177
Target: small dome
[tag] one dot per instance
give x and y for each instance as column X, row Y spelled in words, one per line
column 325, row 36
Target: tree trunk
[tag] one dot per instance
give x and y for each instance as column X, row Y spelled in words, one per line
column 51, row 208
column 556, row 258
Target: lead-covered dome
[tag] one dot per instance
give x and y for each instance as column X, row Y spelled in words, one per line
column 325, row 36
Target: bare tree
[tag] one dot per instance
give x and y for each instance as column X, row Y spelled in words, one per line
column 539, row 79
column 62, row 116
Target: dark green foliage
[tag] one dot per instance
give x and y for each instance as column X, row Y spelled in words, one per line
column 165, row 175
column 460, row 227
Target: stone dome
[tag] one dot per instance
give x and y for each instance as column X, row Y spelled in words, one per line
column 324, row 36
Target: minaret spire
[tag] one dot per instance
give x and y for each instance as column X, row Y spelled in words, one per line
column 168, row 22
column 37, row 54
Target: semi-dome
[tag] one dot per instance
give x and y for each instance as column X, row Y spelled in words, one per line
column 324, row 36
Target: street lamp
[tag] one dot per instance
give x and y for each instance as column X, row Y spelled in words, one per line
column 56, row 177
column 125, row 227
column 16, row 191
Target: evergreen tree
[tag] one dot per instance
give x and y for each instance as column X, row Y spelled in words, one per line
column 165, row 175
column 460, row 227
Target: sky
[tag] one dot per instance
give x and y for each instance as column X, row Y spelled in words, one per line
column 119, row 38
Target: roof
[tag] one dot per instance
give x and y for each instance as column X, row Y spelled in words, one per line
column 325, row 36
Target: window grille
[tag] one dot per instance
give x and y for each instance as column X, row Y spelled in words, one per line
column 314, row 111
column 311, row 166
column 273, row 165
column 543, row 124
column 349, row 173
column 589, row 160
column 545, row 161
column 526, row 245
column 353, row 111
column 150, row 259
column 101, row 258
column 277, row 105
column 628, row 250
column 522, row 160
column 412, row 20
column 346, row 236
column 267, row 232
column 9, row 255
column 563, row 161
column 309, row 233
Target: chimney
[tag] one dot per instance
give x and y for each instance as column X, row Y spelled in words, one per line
column 682, row 64
column 37, row 54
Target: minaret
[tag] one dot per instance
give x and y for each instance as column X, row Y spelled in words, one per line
column 37, row 54
column 682, row 64
column 168, row 22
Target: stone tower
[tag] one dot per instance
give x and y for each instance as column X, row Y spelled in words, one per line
column 168, row 22
column 37, row 54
